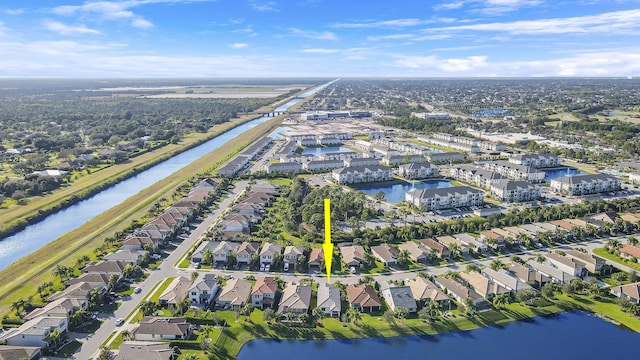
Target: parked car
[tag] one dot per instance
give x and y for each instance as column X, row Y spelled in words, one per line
column 286, row 266
column 137, row 290
column 119, row 322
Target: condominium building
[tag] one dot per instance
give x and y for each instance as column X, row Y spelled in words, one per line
column 585, row 184
column 446, row 198
column 536, row 160
column 477, row 176
column 513, row 191
column 515, row 171
column 418, row 170
column 362, row 174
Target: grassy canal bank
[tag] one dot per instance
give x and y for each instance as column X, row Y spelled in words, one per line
column 22, row 278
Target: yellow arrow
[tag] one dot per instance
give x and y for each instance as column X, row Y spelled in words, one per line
column 327, row 246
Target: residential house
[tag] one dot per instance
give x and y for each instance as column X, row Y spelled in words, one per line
column 64, row 307
column 494, row 239
column 352, row 255
column 471, row 242
column 435, row 247
column 35, row 332
column 205, row 246
column 177, row 291
column 593, row 263
column 400, row 296
column 450, row 240
column 95, row 280
column 269, row 250
column 222, row 252
column 483, row 285
column 506, row 279
column 138, row 243
column 145, row 350
column 296, row 298
column 292, row 254
column 459, row 292
column 363, row 297
column 128, row 257
column 569, row 265
column 20, row 352
column 630, row 291
column 426, row 291
column 417, row 251
column 386, row 254
column 105, row 267
column 245, row 251
column 162, row 328
column 234, row 294
column 316, row 257
column 263, row 294
column 203, row 290
column 556, row 275
column 630, row 251
column 528, row 274
column 329, row 300
column 80, row 290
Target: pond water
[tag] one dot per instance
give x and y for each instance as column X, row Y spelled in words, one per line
column 275, row 134
column 394, row 192
column 575, row 335
column 488, row 112
column 325, row 150
column 556, row 173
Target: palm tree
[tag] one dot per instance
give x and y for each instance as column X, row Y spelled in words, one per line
column 54, row 336
column 60, row 271
column 353, row 315
column 454, row 249
column 499, row 301
column 614, row 244
column 147, row 308
column 632, row 241
column 318, row 314
column 403, row 258
column 126, row 335
column 401, row 312
column 497, row 265
column 207, row 257
column 17, row 305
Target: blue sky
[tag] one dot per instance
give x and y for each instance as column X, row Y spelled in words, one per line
column 326, row 38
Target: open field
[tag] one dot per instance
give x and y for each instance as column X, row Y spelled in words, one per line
column 21, row 279
column 209, row 92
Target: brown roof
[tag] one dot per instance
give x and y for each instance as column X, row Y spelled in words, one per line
column 490, row 234
column 163, row 326
column 422, row 288
column 563, row 224
column 385, row 251
column 92, row 278
column 482, row 284
column 264, row 285
column 432, row 244
column 631, row 290
column 316, row 256
column 631, row 250
column 363, row 295
column 565, row 260
column 137, row 240
column 353, row 253
column 105, row 267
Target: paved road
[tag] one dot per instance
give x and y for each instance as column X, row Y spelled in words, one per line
column 91, row 345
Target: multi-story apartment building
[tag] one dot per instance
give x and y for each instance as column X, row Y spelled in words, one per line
column 585, row 184
column 513, row 191
column 536, row 160
column 418, row 170
column 446, row 198
column 515, row 171
column 477, row 176
column 362, row 174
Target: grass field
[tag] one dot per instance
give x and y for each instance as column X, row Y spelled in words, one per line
column 21, row 279
column 605, row 254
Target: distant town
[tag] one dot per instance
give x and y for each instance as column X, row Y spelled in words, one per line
column 455, row 204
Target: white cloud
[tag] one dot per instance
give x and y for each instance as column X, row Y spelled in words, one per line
column 612, row 22
column 449, row 5
column 269, row 6
column 318, row 35
column 489, row 7
column 320, row 51
column 65, row 29
column 391, row 37
column 238, row 45
column 455, row 65
column 396, row 23
column 13, row 11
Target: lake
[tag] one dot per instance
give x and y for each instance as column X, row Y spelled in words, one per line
column 556, row 173
column 51, row 227
column 566, row 336
column 275, row 134
column 325, row 150
column 488, row 112
column 394, row 192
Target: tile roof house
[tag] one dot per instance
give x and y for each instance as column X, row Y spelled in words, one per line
column 629, row 291
column 316, row 257
column 353, row 255
column 105, row 267
column 567, row 264
column 138, row 243
column 162, row 328
column 363, row 297
column 593, row 263
column 245, row 251
column 506, row 280
column 292, row 254
column 80, row 290
column 557, row 276
column 19, row 352
column 234, row 294
column 459, row 291
column 528, row 274
column 329, row 300
column 417, row 251
column 296, row 298
column 630, row 251
column 129, row 257
column 263, row 294
column 483, row 285
column 144, row 350
column 177, row 291
column 442, row 250
column 223, row 250
column 64, row 307
column 426, row 291
column 96, row 280
column 35, row 332
column 269, row 250
column 385, row 253
column 400, row 296
column 203, row 290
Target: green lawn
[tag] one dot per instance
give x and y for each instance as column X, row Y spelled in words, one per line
column 605, row 254
column 69, row 349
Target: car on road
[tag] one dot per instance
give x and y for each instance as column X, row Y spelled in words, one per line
column 267, row 268
column 120, row 322
column 137, row 290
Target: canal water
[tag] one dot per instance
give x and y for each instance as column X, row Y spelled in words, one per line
column 564, row 336
column 53, row 226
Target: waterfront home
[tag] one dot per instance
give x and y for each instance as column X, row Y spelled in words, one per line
column 585, row 184
column 506, row 279
column 320, row 165
column 234, row 294
column 366, row 161
column 128, row 257
column 203, row 290
column 145, row 350
column 528, row 274
column 352, row 254
column 35, row 332
column 296, row 298
column 471, row 242
column 233, row 166
column 138, row 243
column 269, row 250
column 283, row 167
column 105, row 267
column 245, row 251
column 536, row 160
column 80, row 290
column 400, row 296
column 629, row 291
column 20, row 352
column 63, row 307
column 292, row 254
column 593, row 263
column 263, row 294
column 445, row 198
column 95, row 280
column 363, row 297
column 386, row 254
column 447, row 240
column 569, row 265
column 362, row 174
column 162, row 328
column 329, row 300
column 316, row 257
column 417, row 252
column 483, row 285
column 177, row 291
column 515, row 171
column 445, row 157
column 459, row 291
column 418, row 170
column 556, row 275
column 435, row 247
column 477, row 176
column 425, row 291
